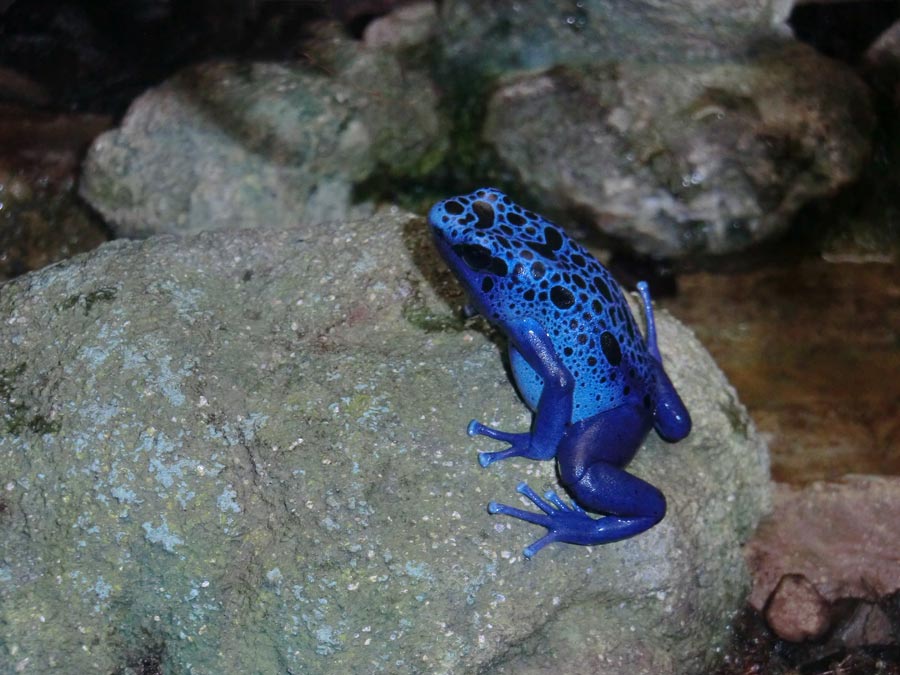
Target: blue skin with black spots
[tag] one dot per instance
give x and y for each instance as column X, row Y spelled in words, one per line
column 596, row 385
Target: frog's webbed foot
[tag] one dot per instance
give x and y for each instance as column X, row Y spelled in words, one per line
column 570, row 523
column 560, row 518
column 519, row 444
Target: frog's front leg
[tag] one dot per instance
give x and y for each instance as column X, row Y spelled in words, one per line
column 554, row 407
column 591, row 457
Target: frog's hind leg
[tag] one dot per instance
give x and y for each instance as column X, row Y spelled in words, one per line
column 591, row 467
column 590, row 460
column 633, row 504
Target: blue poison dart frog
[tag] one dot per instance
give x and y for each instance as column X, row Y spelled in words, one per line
column 595, row 384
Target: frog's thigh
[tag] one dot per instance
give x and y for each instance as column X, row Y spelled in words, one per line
column 592, row 457
column 605, row 488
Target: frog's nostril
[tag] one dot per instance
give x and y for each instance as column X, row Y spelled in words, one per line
column 485, row 215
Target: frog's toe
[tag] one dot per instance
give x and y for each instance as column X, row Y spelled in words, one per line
column 523, row 489
column 530, row 551
column 528, row 516
column 476, row 428
column 561, row 504
column 486, row 458
column 543, row 519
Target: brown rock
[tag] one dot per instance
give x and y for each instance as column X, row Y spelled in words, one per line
column 796, row 611
column 842, row 536
column 866, row 625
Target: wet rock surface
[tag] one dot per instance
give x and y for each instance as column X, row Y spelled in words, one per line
column 807, row 343
column 246, row 451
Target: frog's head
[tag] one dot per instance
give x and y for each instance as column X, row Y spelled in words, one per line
column 469, row 233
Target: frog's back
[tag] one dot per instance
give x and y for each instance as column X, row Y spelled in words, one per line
column 517, row 264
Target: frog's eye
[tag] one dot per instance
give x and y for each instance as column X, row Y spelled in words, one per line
column 476, row 257
column 479, row 258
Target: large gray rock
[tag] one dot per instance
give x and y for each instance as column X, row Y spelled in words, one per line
column 489, row 38
column 697, row 126
column 231, row 145
column 677, row 158
column 244, row 452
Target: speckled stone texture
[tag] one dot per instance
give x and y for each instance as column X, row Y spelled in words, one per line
column 244, row 452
